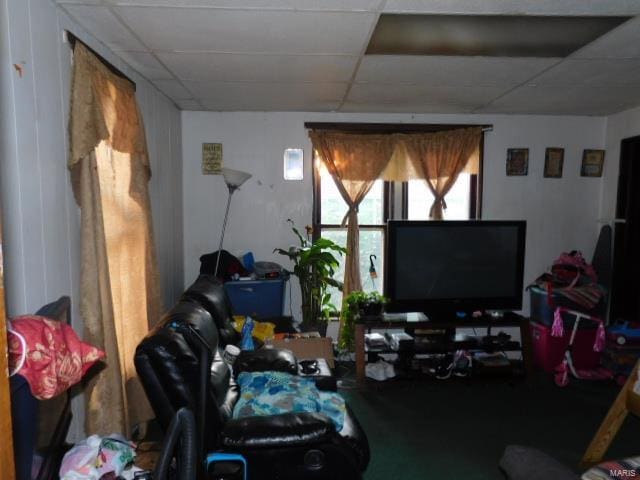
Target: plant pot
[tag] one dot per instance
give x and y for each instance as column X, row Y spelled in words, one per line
column 371, row 309
column 322, row 329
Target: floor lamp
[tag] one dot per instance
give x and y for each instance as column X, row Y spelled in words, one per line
column 233, row 179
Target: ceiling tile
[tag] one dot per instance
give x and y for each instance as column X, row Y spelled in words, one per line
column 622, row 42
column 189, row 104
column 407, row 95
column 105, row 27
column 352, row 5
column 86, row 2
column 269, row 96
column 450, row 71
column 173, row 89
column 220, row 67
column 249, row 31
column 374, row 107
column 146, row 64
column 562, row 100
column 523, row 7
column 596, row 72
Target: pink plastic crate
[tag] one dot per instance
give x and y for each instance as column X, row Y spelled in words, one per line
column 548, row 351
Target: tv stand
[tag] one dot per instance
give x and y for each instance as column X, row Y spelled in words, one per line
column 419, row 321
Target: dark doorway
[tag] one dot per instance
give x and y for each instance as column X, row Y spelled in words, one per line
column 625, row 295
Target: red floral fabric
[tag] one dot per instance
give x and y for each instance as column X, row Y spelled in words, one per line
column 56, row 358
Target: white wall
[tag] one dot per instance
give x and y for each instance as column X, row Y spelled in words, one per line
column 561, row 213
column 619, row 126
column 40, row 216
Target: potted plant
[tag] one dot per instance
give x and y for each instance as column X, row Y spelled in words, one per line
column 358, row 304
column 314, row 263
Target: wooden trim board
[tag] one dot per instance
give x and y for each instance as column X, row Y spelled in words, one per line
column 7, row 467
column 609, row 427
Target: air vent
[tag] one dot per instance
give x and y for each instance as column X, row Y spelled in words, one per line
column 486, row 35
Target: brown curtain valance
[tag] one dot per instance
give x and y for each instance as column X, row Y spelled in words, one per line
column 103, row 107
column 404, row 156
column 353, row 156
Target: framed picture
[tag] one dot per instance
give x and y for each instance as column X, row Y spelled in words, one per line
column 553, row 161
column 517, row 161
column 592, row 163
column 211, row 158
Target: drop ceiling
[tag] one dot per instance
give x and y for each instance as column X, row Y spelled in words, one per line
column 306, row 55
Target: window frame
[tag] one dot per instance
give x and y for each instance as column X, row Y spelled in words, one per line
column 388, row 194
column 475, row 197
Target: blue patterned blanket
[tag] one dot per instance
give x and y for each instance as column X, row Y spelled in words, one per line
column 273, row 393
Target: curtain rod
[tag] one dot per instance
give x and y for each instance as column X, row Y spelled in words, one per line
column 384, row 128
column 72, row 38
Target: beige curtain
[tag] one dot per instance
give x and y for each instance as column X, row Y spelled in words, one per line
column 355, row 162
column 441, row 156
column 119, row 291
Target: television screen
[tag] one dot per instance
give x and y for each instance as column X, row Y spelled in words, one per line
column 454, row 266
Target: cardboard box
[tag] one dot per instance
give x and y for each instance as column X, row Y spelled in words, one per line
column 307, row 348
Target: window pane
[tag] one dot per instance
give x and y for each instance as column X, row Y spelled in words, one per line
column 333, row 208
column 458, row 198
column 371, row 242
column 420, row 200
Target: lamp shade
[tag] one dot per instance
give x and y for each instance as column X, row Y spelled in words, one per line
column 235, row 178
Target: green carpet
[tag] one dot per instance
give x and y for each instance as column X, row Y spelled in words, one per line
column 457, row 429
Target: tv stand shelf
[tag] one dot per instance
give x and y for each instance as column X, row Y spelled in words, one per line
column 509, row 319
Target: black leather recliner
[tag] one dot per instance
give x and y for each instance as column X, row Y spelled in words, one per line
column 292, row 446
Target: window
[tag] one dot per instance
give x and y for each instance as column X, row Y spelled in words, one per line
column 330, row 209
column 461, row 200
column 378, row 206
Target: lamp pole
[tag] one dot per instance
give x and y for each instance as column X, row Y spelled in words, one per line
column 232, row 189
column 233, row 179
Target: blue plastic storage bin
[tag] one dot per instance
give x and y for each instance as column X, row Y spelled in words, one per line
column 258, row 298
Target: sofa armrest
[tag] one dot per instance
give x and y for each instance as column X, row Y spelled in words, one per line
column 266, row 359
column 526, row 463
column 285, row 430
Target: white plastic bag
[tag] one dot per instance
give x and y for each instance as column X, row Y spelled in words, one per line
column 95, row 456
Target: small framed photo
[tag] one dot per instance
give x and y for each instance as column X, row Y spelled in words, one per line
column 517, row 161
column 553, row 162
column 592, row 163
column 211, row 158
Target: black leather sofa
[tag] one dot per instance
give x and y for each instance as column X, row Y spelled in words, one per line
column 181, row 354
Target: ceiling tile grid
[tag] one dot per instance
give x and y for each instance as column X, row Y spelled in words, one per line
column 307, row 55
column 249, row 31
column 623, row 42
column 595, row 72
column 268, row 96
column 519, row 7
column 468, row 98
column 564, row 100
column 146, row 64
column 173, row 89
column 450, row 71
column 299, row 5
column 220, row 67
column 105, row 26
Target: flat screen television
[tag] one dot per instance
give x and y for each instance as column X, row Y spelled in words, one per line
column 446, row 267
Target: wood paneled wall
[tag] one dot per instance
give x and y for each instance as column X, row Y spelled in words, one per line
column 41, row 218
